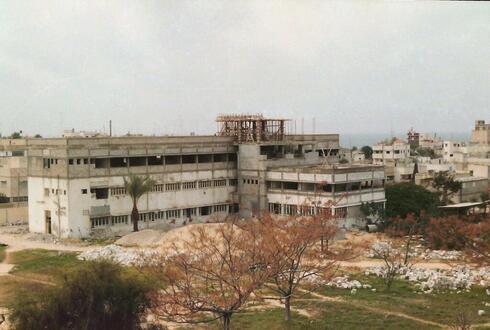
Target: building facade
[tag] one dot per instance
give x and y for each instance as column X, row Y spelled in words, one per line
column 76, row 185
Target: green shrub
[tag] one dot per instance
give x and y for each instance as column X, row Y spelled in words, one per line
column 99, row 295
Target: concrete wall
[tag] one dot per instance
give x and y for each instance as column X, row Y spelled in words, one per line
column 13, row 213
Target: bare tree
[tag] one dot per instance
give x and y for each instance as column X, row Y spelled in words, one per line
column 301, row 258
column 212, row 275
column 396, row 253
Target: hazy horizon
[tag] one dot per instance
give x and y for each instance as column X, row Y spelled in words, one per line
column 171, row 67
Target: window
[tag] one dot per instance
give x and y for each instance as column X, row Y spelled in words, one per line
column 118, row 191
column 189, row 185
column 221, row 208
column 79, row 161
column 84, row 191
column 290, row 185
column 172, row 186
column 234, row 208
column 220, row 183
column 275, row 208
column 173, row 214
column 341, row 212
column 46, row 191
column 189, row 212
column 19, row 199
column 233, row 182
column 205, row 184
column 188, row 159
column 120, row 219
column 219, row 158
column 160, row 215
column 100, row 222
column 46, row 163
column 100, row 193
column 85, row 161
column 158, row 188
column 147, row 216
column 290, row 209
column 70, row 161
column 206, row 210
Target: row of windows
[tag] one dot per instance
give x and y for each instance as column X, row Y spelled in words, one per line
column 290, row 209
column 114, row 162
column 329, row 188
column 250, row 181
column 102, row 193
column 18, row 199
column 163, row 215
column 52, row 191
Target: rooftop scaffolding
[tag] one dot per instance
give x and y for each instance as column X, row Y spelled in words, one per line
column 251, row 128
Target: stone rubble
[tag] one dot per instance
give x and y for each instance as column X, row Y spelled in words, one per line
column 459, row 278
column 417, row 251
column 120, row 255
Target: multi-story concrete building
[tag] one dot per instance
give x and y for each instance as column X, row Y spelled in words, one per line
column 339, row 189
column 13, row 181
column 76, row 184
column 390, row 152
column 481, row 133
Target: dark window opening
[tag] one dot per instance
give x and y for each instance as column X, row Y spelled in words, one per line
column 70, row 161
column 118, row 162
column 100, row 193
column 290, row 185
column 155, row 160
column 206, row 210
column 188, row 159
column 101, row 162
column 172, row 160
column 84, row 191
column 218, row 158
column 137, row 161
column 232, row 157
column 201, row 159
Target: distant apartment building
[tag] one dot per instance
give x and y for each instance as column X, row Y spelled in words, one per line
column 385, row 153
column 13, row 181
column 481, row 133
column 75, row 184
column 472, row 188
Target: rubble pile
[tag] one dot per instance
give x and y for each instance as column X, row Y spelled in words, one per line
column 460, row 278
column 343, row 282
column 120, row 255
column 416, row 251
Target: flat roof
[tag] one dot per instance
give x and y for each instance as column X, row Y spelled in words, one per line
column 327, row 169
column 463, row 205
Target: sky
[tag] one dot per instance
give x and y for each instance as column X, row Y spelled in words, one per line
column 170, row 67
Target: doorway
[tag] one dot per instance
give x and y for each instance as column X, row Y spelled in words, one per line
column 47, row 219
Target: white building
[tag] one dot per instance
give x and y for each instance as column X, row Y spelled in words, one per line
column 292, row 190
column 384, row 153
column 75, row 185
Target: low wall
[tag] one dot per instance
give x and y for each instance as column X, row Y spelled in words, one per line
column 13, row 213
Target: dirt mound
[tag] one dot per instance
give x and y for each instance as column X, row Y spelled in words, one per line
column 162, row 239
column 147, row 237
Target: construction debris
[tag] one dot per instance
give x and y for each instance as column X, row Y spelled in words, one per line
column 120, row 255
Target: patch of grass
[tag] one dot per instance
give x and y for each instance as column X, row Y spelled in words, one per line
column 441, row 307
column 328, row 315
column 11, row 286
column 2, row 252
column 44, row 263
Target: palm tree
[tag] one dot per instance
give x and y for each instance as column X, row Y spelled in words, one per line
column 137, row 186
